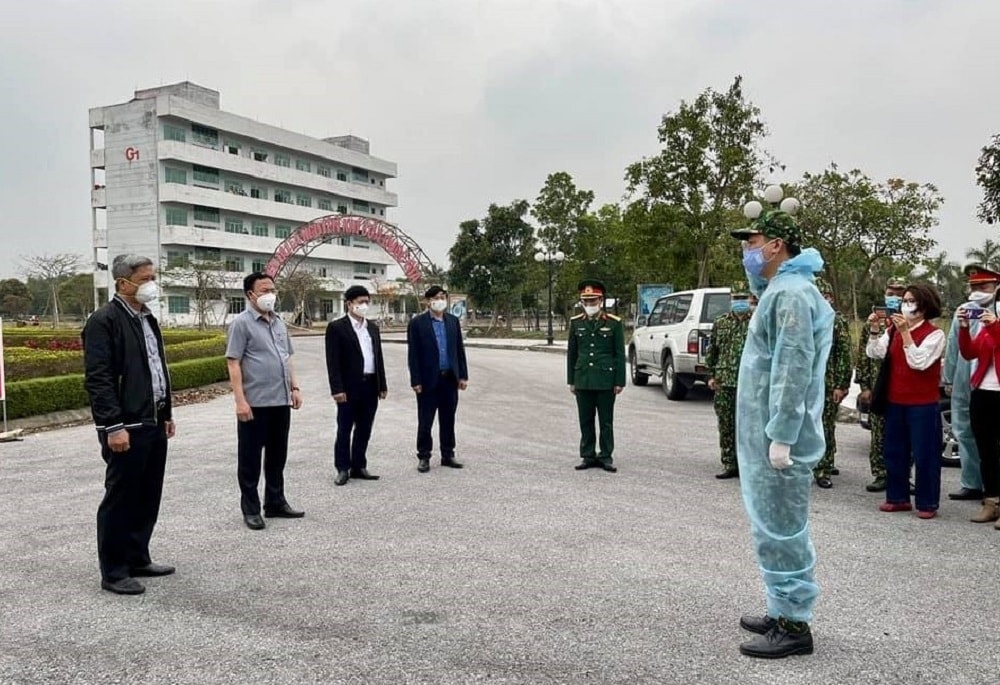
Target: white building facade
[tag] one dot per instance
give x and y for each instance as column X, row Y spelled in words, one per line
column 179, row 180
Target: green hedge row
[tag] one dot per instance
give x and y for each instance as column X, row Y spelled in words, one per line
column 17, row 337
column 46, row 395
column 22, row 363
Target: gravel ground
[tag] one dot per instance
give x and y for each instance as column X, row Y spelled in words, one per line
column 516, row 569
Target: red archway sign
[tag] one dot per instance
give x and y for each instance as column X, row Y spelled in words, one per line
column 401, row 247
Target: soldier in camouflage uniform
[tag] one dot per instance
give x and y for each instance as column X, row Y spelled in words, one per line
column 865, row 376
column 838, row 383
column 595, row 372
column 725, row 348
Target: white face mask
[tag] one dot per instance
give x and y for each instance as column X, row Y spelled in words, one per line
column 360, row 309
column 980, row 298
column 147, row 292
column 909, row 309
column 591, row 309
column 439, row 305
column 266, row 302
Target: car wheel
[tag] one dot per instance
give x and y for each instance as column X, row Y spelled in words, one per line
column 638, row 377
column 673, row 388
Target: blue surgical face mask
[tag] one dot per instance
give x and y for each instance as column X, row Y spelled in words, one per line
column 757, row 284
column 893, row 302
column 740, row 306
column 753, row 259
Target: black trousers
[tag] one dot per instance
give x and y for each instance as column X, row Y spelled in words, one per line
column 355, row 418
column 267, row 431
column 442, row 400
column 984, row 414
column 133, row 485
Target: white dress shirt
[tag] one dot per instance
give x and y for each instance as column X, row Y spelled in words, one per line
column 918, row 357
column 365, row 340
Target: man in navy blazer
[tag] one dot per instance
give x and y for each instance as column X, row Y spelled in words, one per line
column 438, row 370
column 356, row 370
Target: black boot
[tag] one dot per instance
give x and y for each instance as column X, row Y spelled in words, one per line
column 784, row 639
column 729, row 472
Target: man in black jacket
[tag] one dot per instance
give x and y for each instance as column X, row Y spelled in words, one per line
column 356, row 370
column 129, row 387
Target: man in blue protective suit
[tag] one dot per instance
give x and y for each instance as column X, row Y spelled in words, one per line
column 956, row 373
column 779, row 423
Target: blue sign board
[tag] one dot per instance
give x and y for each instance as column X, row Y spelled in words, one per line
column 648, row 294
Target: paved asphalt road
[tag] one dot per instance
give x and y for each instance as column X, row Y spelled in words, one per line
column 517, row 569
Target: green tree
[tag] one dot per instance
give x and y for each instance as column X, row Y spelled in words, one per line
column 491, row 258
column 710, row 163
column 15, row 297
column 559, row 209
column 945, row 275
column 300, row 292
column 53, row 270
column 77, row 295
column 988, row 178
column 988, row 255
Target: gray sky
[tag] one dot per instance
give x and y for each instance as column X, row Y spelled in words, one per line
column 479, row 100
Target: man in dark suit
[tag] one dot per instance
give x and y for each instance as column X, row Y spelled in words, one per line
column 438, row 370
column 356, row 369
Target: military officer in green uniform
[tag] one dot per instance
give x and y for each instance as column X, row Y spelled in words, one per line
column 595, row 372
column 865, row 376
column 838, row 384
column 722, row 358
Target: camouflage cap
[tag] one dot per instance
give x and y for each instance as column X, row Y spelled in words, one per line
column 774, row 223
column 740, row 289
column 895, row 283
column 824, row 286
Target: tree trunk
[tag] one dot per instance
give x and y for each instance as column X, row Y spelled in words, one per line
column 701, row 251
column 55, row 305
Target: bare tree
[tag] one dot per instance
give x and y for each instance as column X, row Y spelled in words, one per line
column 53, row 270
column 207, row 281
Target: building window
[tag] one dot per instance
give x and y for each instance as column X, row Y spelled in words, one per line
column 323, row 170
column 204, row 175
column 342, row 209
column 360, row 206
column 260, row 229
column 303, row 165
column 234, row 226
column 234, row 264
column 177, row 217
column 203, row 135
column 303, row 201
column 359, row 175
column 259, row 156
column 282, row 160
column 282, row 231
column 283, row 196
column 381, row 183
column 258, row 192
column 258, row 265
column 232, row 147
column 341, row 176
column 362, row 268
column 206, row 214
column 177, row 260
column 381, row 212
column 172, row 175
column 171, row 132
column 207, row 254
column 321, row 272
column 373, row 181
column 236, row 188
column 326, row 204
column 237, row 305
column 179, row 304
column 345, row 241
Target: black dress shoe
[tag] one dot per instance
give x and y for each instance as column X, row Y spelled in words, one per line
column 452, row 464
column 285, row 511
column 586, row 464
column 758, row 624
column 728, row 472
column 966, row 493
column 253, row 521
column 608, row 466
column 362, row 474
column 341, row 477
column 824, row 482
column 877, row 485
column 125, row 586
column 778, row 643
column 424, row 465
column 152, row 570
column 834, row 471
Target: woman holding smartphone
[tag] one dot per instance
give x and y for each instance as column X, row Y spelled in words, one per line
column 984, row 404
column 907, row 395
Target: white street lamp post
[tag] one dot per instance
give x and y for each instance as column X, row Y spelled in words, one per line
column 551, row 259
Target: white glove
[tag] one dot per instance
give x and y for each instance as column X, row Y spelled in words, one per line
column 780, row 455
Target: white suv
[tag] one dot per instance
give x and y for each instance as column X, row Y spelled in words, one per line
column 671, row 342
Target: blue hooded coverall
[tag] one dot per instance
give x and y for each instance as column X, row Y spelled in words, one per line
column 957, row 372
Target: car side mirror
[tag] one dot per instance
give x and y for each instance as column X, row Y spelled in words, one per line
column 640, row 322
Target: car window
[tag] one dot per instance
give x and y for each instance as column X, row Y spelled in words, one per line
column 716, row 304
column 656, row 316
column 677, row 313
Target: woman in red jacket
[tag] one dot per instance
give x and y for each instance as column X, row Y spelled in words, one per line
column 907, row 394
column 984, row 406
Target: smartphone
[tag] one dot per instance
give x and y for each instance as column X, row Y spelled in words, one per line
column 884, row 311
column 974, row 313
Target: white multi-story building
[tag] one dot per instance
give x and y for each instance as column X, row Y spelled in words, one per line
column 180, row 180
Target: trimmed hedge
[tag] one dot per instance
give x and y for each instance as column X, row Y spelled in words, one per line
column 19, row 337
column 23, row 364
column 46, row 395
